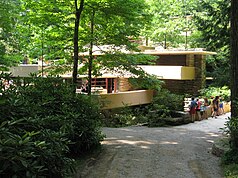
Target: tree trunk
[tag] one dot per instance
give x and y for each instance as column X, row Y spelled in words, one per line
column 90, row 61
column 234, row 69
column 76, row 31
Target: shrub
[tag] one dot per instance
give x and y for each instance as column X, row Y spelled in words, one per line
column 230, row 158
column 43, row 122
column 231, row 128
column 126, row 116
column 231, row 170
column 119, row 117
column 29, row 154
column 164, row 105
column 216, row 91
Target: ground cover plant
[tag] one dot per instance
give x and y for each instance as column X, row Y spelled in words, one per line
column 164, row 106
column 44, row 126
column 231, row 171
column 230, row 157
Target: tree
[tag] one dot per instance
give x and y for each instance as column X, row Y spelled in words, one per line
column 171, row 23
column 9, row 11
column 46, row 29
column 78, row 12
column 111, row 23
column 213, row 21
column 234, row 73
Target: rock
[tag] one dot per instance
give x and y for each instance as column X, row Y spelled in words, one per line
column 176, row 121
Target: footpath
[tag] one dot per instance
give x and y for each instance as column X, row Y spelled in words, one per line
column 164, row 152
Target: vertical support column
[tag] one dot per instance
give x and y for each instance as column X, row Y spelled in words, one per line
column 190, row 60
column 200, row 77
column 115, row 85
column 107, row 84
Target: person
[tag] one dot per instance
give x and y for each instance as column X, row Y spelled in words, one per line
column 215, row 106
column 221, row 107
column 205, row 108
column 192, row 109
column 198, row 109
column 84, row 87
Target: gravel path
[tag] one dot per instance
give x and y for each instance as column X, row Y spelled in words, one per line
column 163, row 152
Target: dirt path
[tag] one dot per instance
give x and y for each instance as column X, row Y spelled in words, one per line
column 174, row 152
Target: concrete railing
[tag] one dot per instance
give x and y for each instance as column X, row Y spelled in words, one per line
column 171, row 72
column 163, row 72
column 24, row 70
column 122, row 99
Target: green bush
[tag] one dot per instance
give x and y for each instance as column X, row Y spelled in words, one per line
column 43, row 123
column 119, row 117
column 164, row 105
column 29, row 154
column 216, row 91
column 231, row 128
column 171, row 101
column 126, row 116
column 231, row 170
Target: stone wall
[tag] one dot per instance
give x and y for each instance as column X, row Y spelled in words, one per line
column 123, row 85
column 200, row 67
column 181, row 86
column 171, row 60
column 191, row 87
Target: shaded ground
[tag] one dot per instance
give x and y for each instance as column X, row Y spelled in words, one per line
column 165, row 152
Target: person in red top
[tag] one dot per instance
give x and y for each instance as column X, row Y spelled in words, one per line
column 198, row 109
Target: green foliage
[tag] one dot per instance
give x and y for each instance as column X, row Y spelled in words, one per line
column 45, row 29
column 218, row 67
column 230, row 158
column 128, row 65
column 231, row 170
column 170, row 100
column 170, row 21
column 8, row 21
column 42, row 122
column 164, row 105
column 116, row 22
column 231, row 128
column 146, row 81
column 213, row 21
column 224, row 92
column 27, row 154
column 126, row 116
column 157, row 114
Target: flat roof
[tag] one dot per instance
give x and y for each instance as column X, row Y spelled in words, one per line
column 168, row 52
column 160, row 52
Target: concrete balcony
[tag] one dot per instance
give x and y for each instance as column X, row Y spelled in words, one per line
column 163, row 72
column 122, row 99
column 171, row 72
column 24, row 70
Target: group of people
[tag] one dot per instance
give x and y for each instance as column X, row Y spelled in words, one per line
column 6, row 83
column 218, row 106
column 200, row 107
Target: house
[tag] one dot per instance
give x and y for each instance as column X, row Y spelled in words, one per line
column 182, row 72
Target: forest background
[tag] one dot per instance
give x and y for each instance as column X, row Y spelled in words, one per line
column 31, row 30
column 55, row 31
